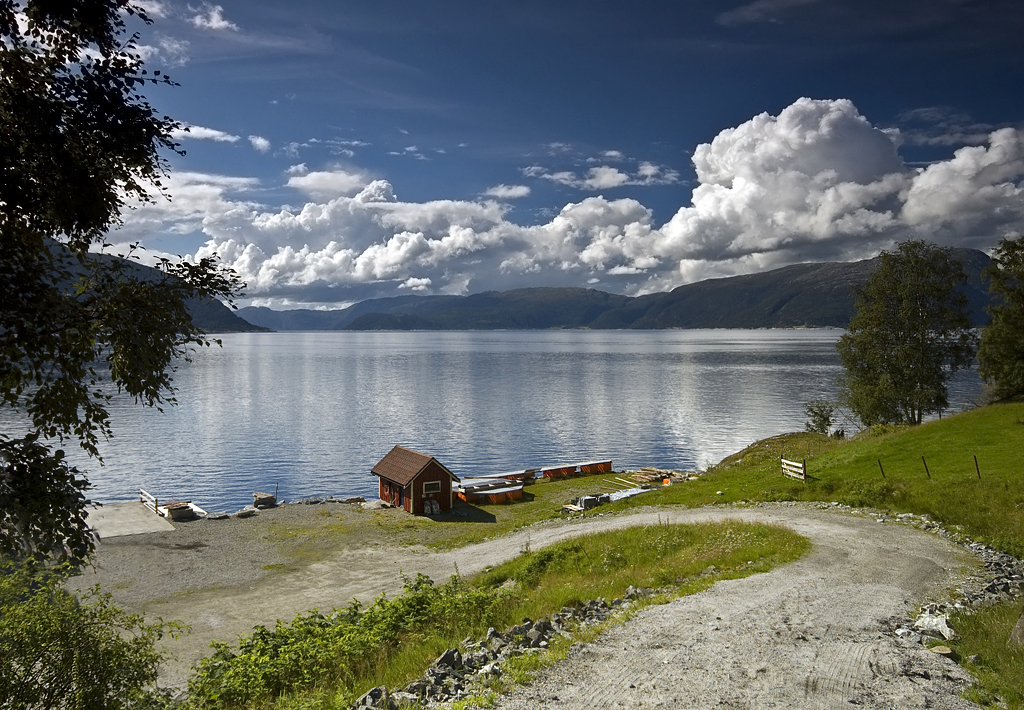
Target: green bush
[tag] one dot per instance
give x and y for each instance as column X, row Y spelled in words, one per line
column 57, row 651
column 336, row 649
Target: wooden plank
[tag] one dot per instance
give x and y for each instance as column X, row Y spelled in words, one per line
column 149, row 501
column 794, row 469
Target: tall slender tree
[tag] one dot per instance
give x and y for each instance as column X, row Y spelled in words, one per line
column 1001, row 351
column 78, row 142
column 910, row 332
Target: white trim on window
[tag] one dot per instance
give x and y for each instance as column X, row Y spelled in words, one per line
column 431, row 487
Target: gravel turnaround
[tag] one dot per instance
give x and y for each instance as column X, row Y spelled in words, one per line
column 816, row 633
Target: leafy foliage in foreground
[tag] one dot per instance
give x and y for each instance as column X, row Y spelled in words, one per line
column 342, row 647
column 60, row 652
column 78, row 143
column 328, row 660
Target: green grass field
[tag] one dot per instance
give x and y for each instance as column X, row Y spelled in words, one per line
column 989, row 509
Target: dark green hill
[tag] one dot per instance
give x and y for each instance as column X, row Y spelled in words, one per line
column 799, row 295
column 214, row 317
column 210, row 315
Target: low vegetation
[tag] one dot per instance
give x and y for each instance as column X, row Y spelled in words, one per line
column 328, row 660
column 54, row 646
column 983, row 651
column 883, row 468
column 926, row 469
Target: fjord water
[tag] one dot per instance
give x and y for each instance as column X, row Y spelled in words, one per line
column 313, row 412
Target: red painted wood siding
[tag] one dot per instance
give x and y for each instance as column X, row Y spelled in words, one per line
column 432, row 473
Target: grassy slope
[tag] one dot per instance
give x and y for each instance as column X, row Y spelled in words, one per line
column 989, row 509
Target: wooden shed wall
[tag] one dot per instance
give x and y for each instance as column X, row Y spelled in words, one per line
column 432, row 473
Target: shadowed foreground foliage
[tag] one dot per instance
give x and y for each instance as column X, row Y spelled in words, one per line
column 57, row 651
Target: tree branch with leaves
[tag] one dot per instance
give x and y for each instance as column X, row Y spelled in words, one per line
column 79, row 143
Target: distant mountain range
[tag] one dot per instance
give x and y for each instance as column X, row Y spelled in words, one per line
column 793, row 296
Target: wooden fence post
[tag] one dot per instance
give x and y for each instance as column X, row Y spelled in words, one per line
column 926, row 467
column 976, row 467
column 880, row 468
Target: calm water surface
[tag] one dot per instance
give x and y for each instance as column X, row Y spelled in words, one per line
column 314, row 412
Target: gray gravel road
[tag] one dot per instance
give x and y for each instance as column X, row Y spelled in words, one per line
column 814, row 634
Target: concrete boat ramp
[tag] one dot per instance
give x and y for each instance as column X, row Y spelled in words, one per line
column 134, row 518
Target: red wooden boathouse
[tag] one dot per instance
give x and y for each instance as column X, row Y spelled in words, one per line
column 414, row 481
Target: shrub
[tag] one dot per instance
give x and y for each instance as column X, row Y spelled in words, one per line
column 61, row 652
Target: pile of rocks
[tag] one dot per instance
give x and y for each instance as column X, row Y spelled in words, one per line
column 1001, row 578
column 458, row 673
column 317, row 500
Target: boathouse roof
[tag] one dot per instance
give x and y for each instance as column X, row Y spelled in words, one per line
column 403, row 465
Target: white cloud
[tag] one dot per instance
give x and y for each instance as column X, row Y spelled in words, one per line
column 414, row 284
column 817, row 182
column 201, row 133
column 153, row 8
column 259, row 143
column 508, row 192
column 174, row 52
column 326, row 183
column 605, row 177
column 211, row 17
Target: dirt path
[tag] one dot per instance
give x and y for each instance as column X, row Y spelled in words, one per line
column 810, row 634
column 813, row 634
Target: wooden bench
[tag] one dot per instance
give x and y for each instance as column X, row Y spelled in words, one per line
column 794, row 469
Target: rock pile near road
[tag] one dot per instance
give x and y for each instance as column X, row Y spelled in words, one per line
column 458, row 673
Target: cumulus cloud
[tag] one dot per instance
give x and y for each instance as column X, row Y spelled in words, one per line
column 259, row 143
column 153, row 8
column 414, row 284
column 605, row 177
column 167, row 49
column 325, row 183
column 816, row 182
column 211, row 17
column 508, row 192
column 201, row 133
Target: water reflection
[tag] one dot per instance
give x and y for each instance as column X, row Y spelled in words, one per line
column 314, row 411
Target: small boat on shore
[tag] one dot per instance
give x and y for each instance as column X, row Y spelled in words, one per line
column 171, row 509
column 492, row 489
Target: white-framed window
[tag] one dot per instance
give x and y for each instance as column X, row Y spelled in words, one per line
column 431, row 487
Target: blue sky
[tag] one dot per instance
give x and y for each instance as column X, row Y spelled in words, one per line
column 341, row 151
